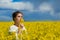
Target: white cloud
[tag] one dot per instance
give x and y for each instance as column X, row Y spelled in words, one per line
column 52, row 12
column 4, row 1
column 44, row 7
column 57, row 15
column 16, row 5
column 5, row 18
column 47, row 7
column 3, row 11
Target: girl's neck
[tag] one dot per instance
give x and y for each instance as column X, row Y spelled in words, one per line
column 17, row 24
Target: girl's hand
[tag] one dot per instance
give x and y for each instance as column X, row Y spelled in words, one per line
column 21, row 25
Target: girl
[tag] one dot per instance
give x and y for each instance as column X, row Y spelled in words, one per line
column 18, row 26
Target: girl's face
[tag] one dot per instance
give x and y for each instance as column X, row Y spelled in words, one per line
column 18, row 18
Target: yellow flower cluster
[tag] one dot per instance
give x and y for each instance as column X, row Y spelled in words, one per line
column 41, row 30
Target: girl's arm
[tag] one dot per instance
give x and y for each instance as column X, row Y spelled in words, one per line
column 23, row 28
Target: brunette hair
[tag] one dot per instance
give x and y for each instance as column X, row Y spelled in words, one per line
column 15, row 14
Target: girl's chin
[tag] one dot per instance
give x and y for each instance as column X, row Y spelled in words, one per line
column 17, row 21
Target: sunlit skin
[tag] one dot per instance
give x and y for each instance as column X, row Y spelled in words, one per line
column 17, row 19
column 17, row 22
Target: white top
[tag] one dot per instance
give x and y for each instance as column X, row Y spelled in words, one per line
column 14, row 28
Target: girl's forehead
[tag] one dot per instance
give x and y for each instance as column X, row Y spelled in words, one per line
column 19, row 15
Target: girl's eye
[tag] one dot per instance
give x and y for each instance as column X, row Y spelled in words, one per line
column 20, row 16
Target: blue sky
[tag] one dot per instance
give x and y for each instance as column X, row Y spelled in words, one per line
column 33, row 10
